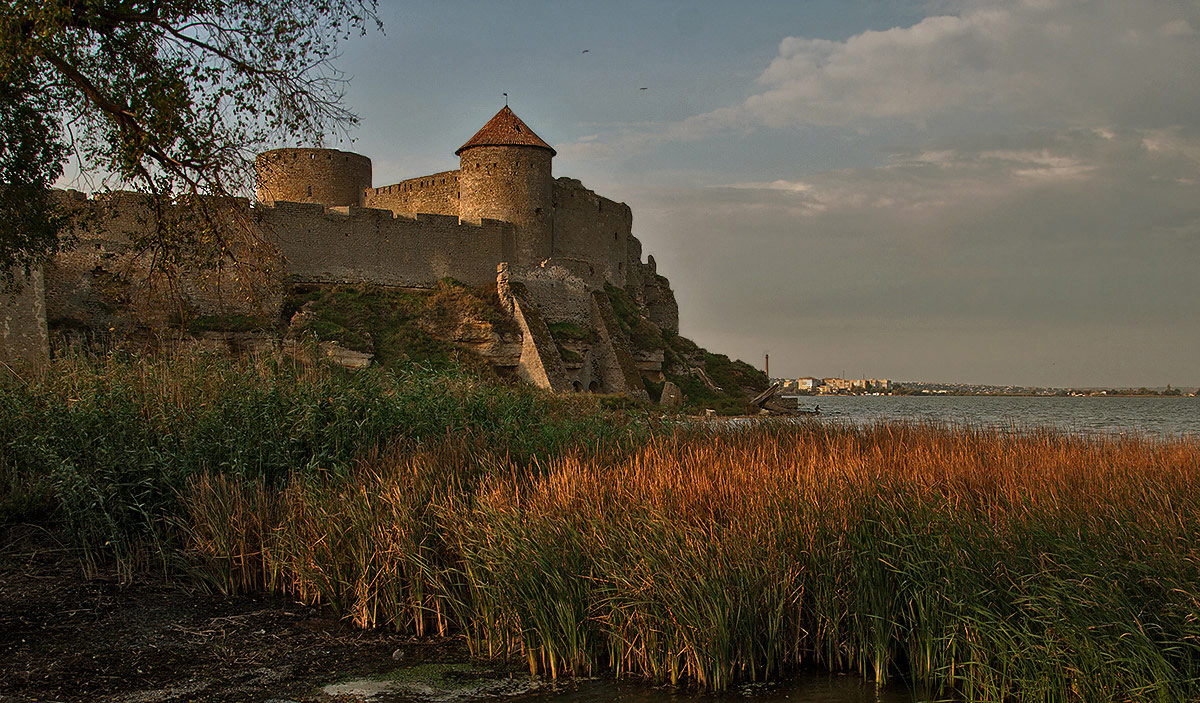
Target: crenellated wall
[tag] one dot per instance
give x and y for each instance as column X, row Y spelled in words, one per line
column 108, row 281
column 436, row 194
column 111, row 280
column 360, row 245
column 592, row 232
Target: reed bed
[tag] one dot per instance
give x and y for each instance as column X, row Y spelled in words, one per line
column 977, row 564
column 108, row 444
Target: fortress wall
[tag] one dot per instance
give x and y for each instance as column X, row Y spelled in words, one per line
column 593, row 229
column 436, row 194
column 23, row 337
column 325, row 176
column 358, row 245
column 110, row 280
column 540, row 362
column 513, row 184
column 558, row 293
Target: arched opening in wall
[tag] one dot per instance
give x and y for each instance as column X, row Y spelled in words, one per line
column 594, row 387
column 577, row 386
column 310, row 191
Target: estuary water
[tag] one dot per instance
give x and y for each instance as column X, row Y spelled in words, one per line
column 1161, row 417
column 803, row 689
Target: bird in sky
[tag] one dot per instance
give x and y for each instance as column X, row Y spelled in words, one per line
column 585, row 51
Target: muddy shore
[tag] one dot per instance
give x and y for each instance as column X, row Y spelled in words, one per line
column 65, row 636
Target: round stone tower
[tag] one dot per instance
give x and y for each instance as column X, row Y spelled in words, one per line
column 326, row 176
column 504, row 174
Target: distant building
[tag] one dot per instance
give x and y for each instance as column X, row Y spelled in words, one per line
column 810, row 384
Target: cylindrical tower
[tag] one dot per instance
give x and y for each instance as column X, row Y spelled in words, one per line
column 505, row 174
column 326, row 176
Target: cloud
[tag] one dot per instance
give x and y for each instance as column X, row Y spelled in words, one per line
column 1078, row 63
column 1021, row 242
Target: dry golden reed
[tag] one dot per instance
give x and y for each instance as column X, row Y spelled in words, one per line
column 984, row 564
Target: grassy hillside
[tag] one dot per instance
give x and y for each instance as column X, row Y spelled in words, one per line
column 735, row 381
column 400, row 327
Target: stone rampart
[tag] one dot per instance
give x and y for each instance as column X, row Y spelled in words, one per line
column 617, row 366
column 540, row 362
column 559, row 294
column 23, row 338
column 592, row 229
column 436, row 194
column 362, row 245
column 112, row 279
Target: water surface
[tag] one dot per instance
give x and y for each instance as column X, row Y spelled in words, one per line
column 812, row 688
column 1164, row 417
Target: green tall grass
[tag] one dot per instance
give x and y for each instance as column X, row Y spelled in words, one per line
column 109, row 444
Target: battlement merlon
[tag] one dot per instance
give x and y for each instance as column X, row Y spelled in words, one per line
column 437, row 193
column 379, row 247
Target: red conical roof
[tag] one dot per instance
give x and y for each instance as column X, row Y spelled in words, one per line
column 505, row 129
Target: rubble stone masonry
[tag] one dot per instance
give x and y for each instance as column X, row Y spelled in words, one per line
column 23, row 339
column 325, row 176
column 436, row 194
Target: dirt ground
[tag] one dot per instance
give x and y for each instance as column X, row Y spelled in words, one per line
column 64, row 637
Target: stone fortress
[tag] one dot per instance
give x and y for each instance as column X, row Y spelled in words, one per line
column 552, row 248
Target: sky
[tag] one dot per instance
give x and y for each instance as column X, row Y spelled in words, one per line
column 1001, row 192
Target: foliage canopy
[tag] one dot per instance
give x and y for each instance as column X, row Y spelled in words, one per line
column 172, row 97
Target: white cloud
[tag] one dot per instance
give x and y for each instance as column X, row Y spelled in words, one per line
column 1177, row 28
column 1095, row 63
